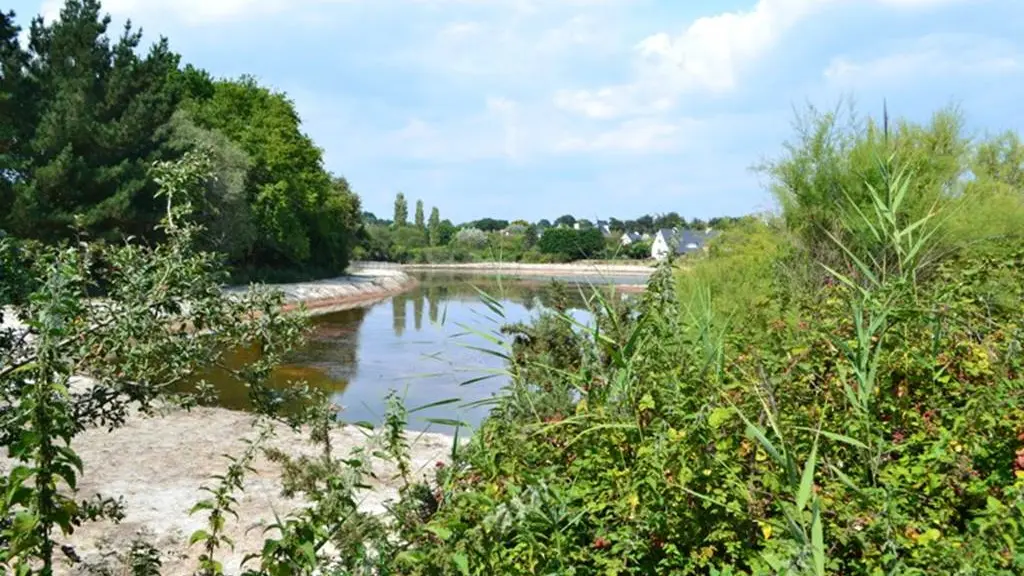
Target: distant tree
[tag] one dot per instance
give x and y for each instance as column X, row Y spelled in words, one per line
column 401, row 218
column 616, row 225
column 419, row 215
column 530, row 237
column 571, row 243
column 645, row 223
column 698, row 224
column 565, row 220
column 472, row 237
column 434, row 227
column 488, row 224
column 670, row 220
column 446, row 232
column 229, row 224
column 544, row 223
column 585, row 224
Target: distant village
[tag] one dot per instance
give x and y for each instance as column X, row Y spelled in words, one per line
column 664, row 242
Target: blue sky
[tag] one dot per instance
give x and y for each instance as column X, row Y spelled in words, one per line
column 536, row 108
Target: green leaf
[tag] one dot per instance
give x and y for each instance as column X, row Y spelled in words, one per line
column 719, row 416
column 836, row 437
column 461, row 563
column 844, row 478
column 444, row 402
column 817, row 541
column 198, row 536
column 439, row 531
column 807, row 480
column 760, row 436
column 201, row 505
column 445, row 422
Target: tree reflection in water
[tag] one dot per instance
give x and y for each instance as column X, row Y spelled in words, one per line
column 364, row 352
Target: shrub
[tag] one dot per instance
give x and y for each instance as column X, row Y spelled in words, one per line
column 471, row 238
column 866, row 421
column 575, row 244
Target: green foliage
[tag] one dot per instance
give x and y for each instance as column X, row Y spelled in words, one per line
column 862, row 419
column 163, row 317
column 742, row 270
column 401, row 218
column 640, row 250
column 303, row 217
column 419, row 222
column 227, row 220
column 488, row 224
column 575, row 244
column 80, row 138
column 832, row 164
column 434, row 227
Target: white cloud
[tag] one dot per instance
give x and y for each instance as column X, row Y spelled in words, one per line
column 936, row 56
column 193, row 12
column 708, row 56
column 641, row 135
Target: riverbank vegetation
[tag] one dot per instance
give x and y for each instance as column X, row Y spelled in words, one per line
column 843, row 398
column 836, row 390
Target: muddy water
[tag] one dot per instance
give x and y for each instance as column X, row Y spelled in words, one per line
column 419, row 343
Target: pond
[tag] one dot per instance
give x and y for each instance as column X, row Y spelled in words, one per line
column 423, row 343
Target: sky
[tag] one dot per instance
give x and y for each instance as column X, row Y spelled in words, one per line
column 598, row 108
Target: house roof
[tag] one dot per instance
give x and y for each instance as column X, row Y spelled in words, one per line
column 685, row 240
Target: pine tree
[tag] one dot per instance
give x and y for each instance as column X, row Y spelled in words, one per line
column 93, row 115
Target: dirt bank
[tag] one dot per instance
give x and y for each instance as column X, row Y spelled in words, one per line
column 158, row 465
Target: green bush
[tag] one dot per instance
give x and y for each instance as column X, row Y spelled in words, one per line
column 745, row 416
column 575, row 244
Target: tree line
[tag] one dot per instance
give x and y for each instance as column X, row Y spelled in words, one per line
column 84, row 116
column 565, row 239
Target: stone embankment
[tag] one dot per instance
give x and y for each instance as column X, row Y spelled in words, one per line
column 359, row 288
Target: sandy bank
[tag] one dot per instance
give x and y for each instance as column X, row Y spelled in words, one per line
column 158, row 465
column 572, row 269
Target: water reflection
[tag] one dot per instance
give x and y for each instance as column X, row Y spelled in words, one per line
column 358, row 355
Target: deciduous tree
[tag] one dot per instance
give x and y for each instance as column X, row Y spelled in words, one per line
column 401, row 211
column 419, row 215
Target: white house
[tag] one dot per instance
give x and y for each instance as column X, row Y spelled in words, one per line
column 668, row 242
column 629, row 238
